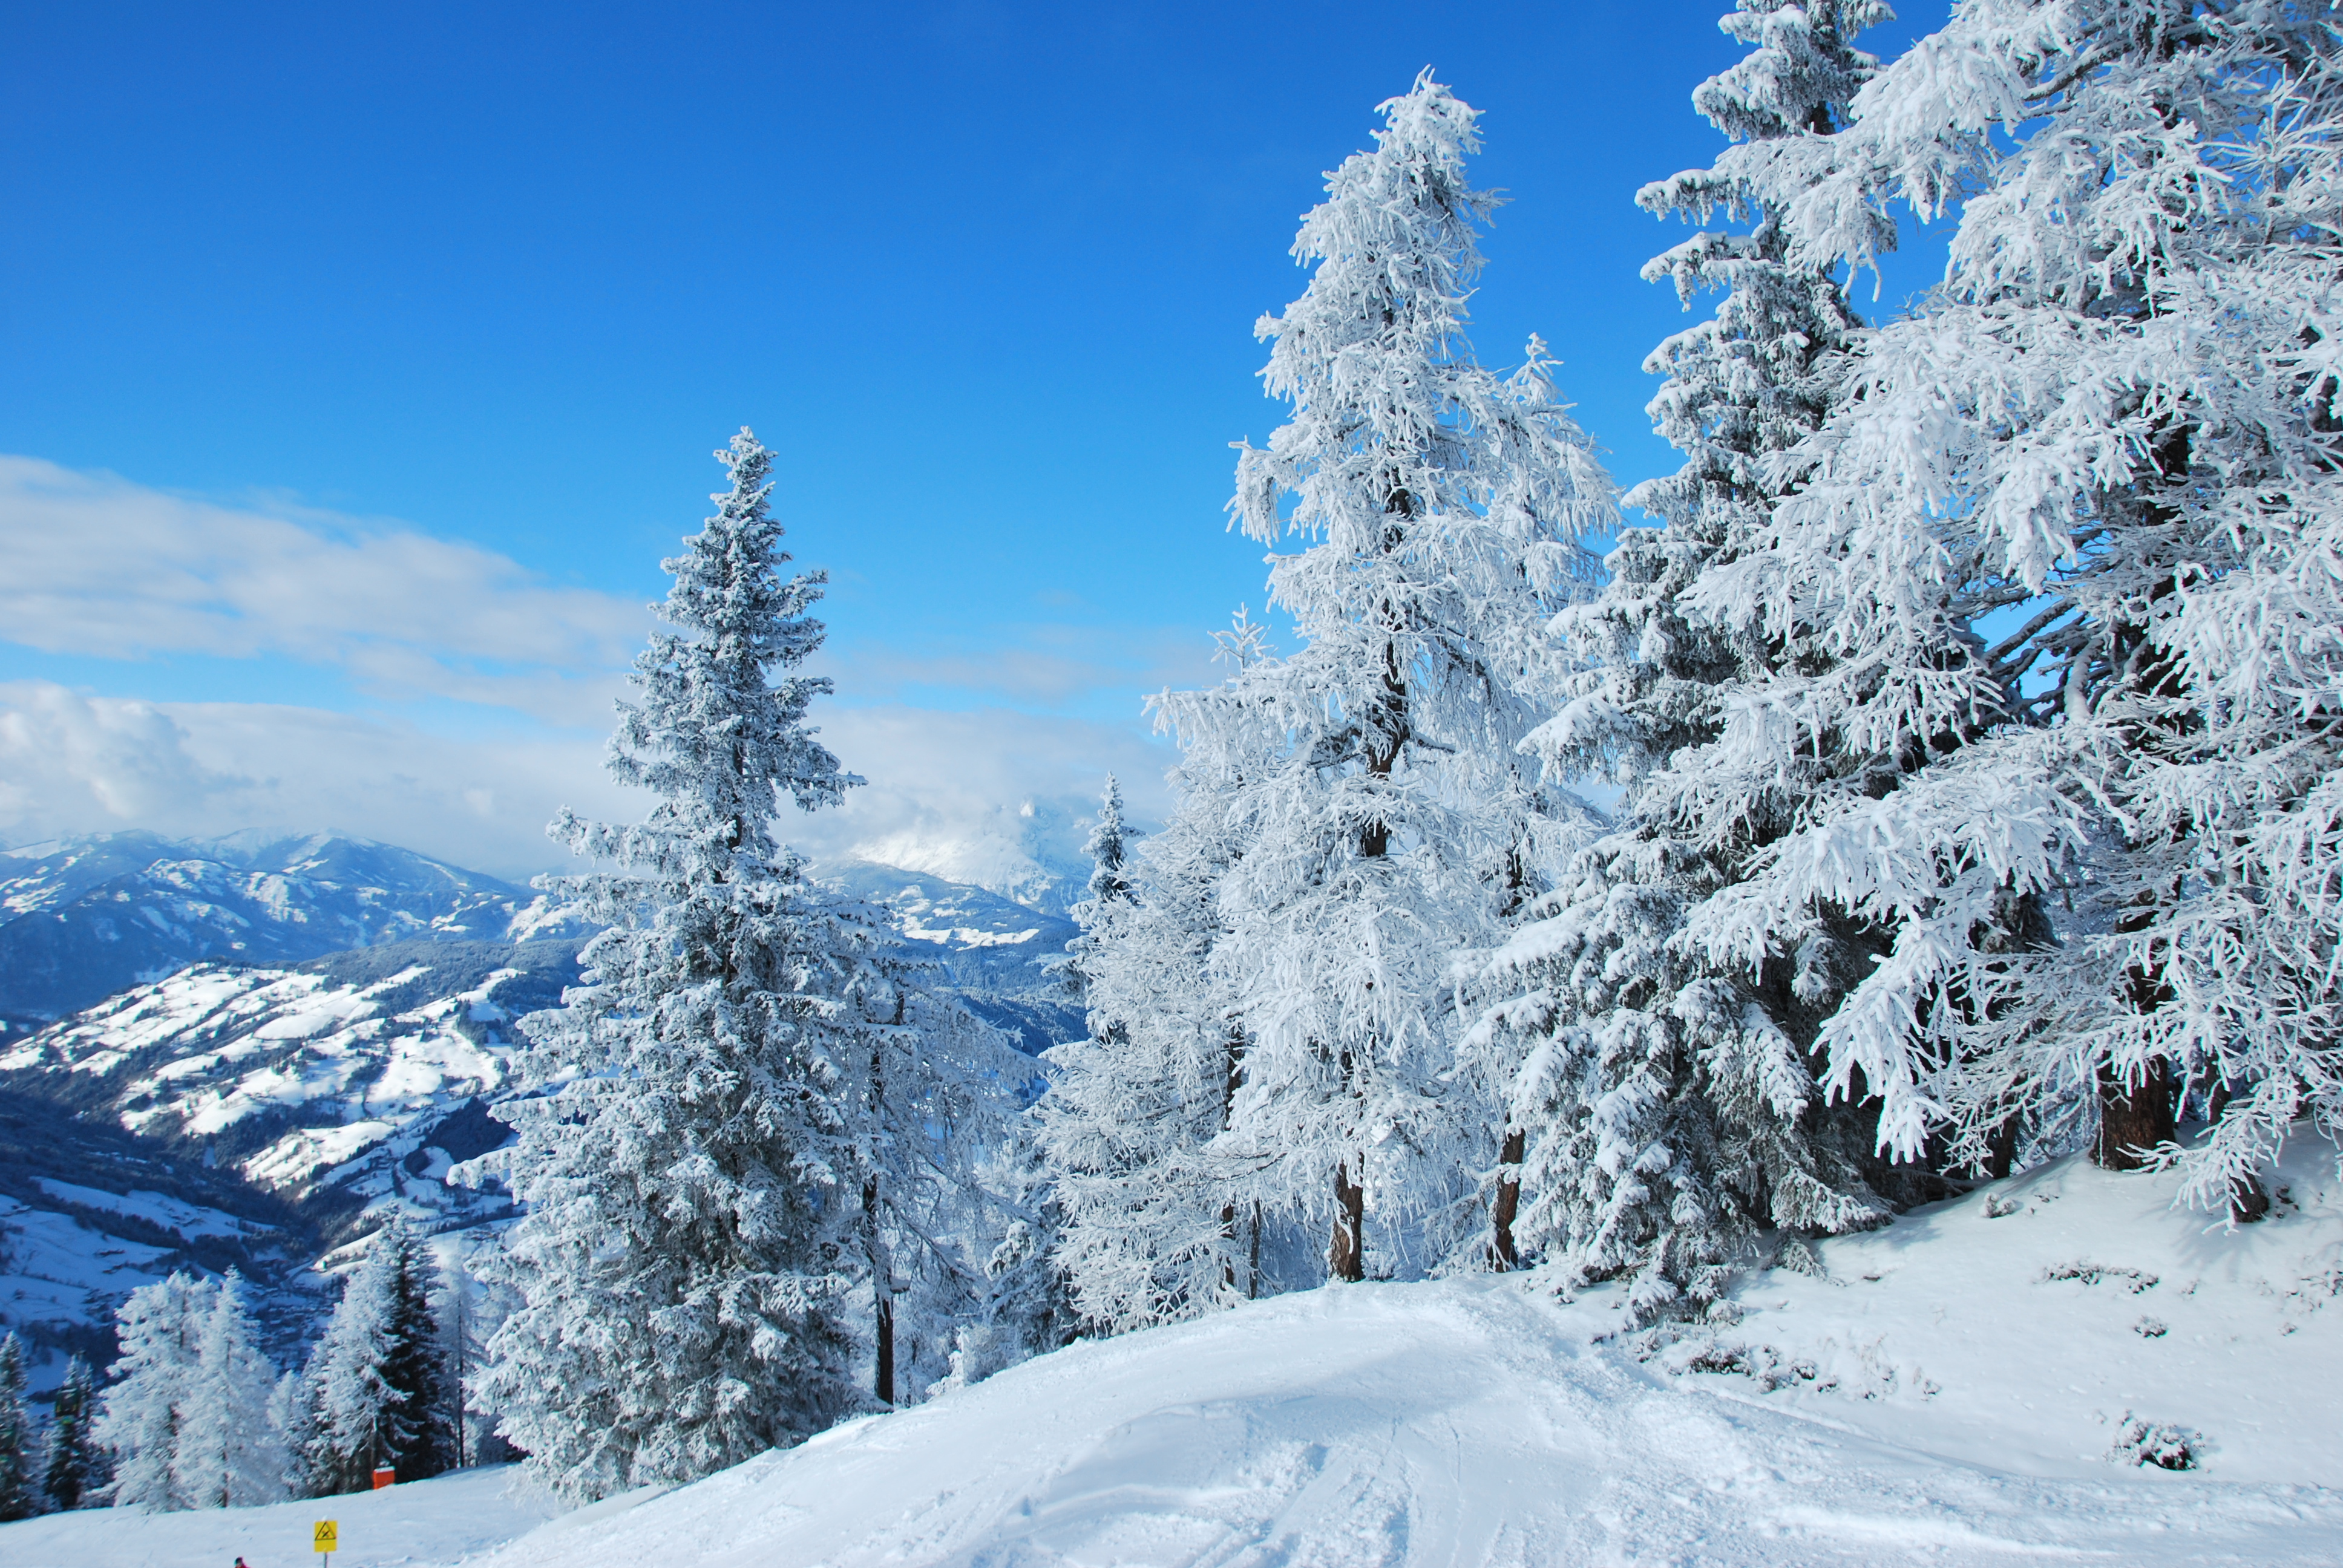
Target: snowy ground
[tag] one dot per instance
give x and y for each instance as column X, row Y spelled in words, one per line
column 427, row 1523
column 1950, row 1393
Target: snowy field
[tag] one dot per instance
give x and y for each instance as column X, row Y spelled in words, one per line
column 1950, row 1393
column 455, row 1519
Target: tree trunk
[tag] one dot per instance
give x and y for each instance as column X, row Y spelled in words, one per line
column 2001, row 1146
column 2135, row 1115
column 1232, row 1048
column 1509, row 1201
column 884, row 1383
column 2248, row 1200
column 1346, row 1257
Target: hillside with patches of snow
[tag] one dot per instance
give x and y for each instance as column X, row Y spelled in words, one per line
column 350, row 1082
column 84, row 919
column 994, row 950
column 89, row 1212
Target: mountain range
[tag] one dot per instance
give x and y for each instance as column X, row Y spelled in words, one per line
column 83, row 918
column 276, row 1041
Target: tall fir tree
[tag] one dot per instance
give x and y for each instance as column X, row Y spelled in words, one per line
column 750, row 1111
column 1674, row 1112
column 72, row 1474
column 160, row 1328
column 1130, row 1107
column 1441, row 510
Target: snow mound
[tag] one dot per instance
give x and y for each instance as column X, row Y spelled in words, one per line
column 424, row 1524
column 1481, row 1422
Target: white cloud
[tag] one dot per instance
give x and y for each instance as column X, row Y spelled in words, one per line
column 90, row 564
column 73, row 763
column 948, row 792
column 1045, row 665
column 94, row 566
column 992, row 796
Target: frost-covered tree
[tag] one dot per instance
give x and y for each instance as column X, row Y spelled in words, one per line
column 2104, row 456
column 1673, row 1111
column 21, row 1493
column 1145, row 1233
column 161, row 1330
column 752, row 1110
column 72, row 1474
column 230, row 1453
column 377, row 1396
column 1441, row 509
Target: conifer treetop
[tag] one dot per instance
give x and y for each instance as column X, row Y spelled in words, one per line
column 719, row 729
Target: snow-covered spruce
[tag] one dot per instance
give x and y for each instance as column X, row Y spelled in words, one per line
column 1672, row 1113
column 375, row 1394
column 2072, row 538
column 230, row 1453
column 160, row 1328
column 1442, row 507
column 752, row 1110
column 21, row 1493
column 72, row 1472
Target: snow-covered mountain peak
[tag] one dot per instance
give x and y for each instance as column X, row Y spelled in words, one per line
column 88, row 917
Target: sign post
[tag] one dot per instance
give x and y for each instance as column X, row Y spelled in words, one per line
column 324, row 1538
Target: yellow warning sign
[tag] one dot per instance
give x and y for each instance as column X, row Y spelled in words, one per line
column 327, row 1536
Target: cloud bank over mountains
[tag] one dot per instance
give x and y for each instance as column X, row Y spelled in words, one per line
column 481, row 696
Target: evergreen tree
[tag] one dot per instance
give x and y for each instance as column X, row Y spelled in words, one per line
column 752, row 1110
column 377, row 1396
column 2104, row 456
column 229, row 1454
column 161, row 1328
column 20, row 1456
column 72, row 1472
column 1441, row 507
column 1671, row 1106
column 1149, row 1228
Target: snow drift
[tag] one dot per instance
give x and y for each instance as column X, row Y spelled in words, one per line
column 1957, row 1388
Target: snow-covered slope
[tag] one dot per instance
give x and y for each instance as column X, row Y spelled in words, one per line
column 1962, row 1410
column 1968, row 1384
column 353, row 1080
column 83, row 918
column 89, row 1213
column 421, row 1524
column 994, row 950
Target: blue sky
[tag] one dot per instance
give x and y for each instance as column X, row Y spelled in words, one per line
column 366, row 361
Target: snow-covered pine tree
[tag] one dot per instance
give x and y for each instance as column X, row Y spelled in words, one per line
column 230, row 1453
column 72, row 1474
column 754, row 1108
column 21, row 1494
column 1443, row 508
column 2113, row 427
column 377, row 1396
column 160, row 1328
column 1672, row 1112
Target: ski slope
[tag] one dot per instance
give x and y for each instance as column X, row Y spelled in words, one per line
column 1952, row 1390
column 453, row 1519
